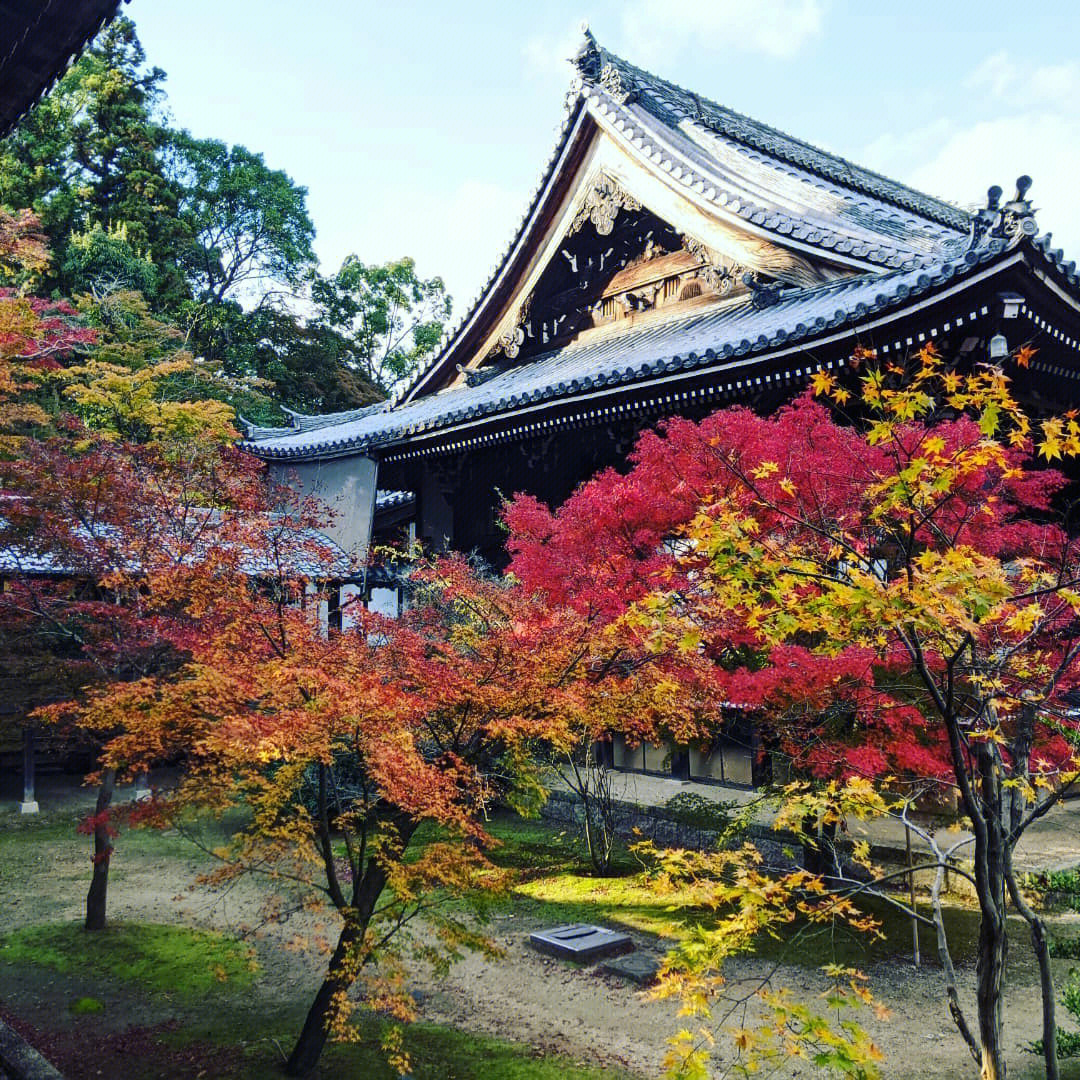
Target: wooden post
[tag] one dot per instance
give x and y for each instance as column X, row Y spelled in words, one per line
column 29, row 803
column 911, row 896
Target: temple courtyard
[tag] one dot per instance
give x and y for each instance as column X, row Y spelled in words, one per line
column 161, row 994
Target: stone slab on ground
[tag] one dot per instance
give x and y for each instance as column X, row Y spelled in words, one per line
column 581, row 941
column 637, row 967
column 20, row 1061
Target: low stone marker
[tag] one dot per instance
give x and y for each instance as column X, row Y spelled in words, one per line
column 580, row 941
column 20, row 1061
column 638, row 967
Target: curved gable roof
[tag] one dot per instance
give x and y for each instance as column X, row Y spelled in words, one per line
column 770, row 184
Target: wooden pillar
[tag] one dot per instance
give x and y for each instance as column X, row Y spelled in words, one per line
column 29, row 803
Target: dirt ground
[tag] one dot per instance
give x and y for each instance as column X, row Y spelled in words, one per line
column 524, row 996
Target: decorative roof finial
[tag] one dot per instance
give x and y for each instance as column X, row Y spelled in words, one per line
column 589, row 59
column 1017, row 215
column 1011, row 222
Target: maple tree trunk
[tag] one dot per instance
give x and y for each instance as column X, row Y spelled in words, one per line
column 341, row 971
column 993, row 938
column 99, row 882
column 1021, row 755
column 599, row 812
column 1041, row 947
column 990, row 970
column 312, row 1038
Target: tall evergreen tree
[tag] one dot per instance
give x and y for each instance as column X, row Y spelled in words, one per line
column 89, row 158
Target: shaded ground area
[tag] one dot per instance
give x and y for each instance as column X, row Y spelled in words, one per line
column 522, row 1017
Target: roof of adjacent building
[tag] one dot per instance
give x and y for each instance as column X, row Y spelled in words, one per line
column 722, row 338
column 38, row 40
column 898, row 244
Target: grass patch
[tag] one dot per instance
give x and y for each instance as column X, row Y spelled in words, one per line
column 165, row 959
column 441, row 1053
column 537, row 847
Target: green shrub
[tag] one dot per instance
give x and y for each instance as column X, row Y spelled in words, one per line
column 699, row 812
column 1057, row 887
column 1068, row 1042
column 1064, row 948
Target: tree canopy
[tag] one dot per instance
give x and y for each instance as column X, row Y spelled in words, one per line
column 891, row 594
column 218, row 242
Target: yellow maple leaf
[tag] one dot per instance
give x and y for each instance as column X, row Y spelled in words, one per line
column 1050, row 448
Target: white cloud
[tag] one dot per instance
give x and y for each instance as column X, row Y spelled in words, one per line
column 1032, row 128
column 996, row 74
column 1013, row 85
column 1044, row 145
column 777, row 28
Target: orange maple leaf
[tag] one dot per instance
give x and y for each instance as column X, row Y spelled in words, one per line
column 1023, row 355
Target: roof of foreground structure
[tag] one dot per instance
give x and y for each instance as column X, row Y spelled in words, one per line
column 38, row 40
column 830, row 249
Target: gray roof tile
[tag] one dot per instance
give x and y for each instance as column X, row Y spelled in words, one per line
column 701, row 340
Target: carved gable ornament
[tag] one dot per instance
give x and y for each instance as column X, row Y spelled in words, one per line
column 601, row 204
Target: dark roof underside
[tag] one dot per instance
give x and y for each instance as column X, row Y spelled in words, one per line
column 38, row 39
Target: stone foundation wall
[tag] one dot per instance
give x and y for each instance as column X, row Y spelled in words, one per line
column 633, row 822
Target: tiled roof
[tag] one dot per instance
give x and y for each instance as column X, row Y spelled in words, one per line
column 390, row 500
column 776, row 196
column 717, row 338
column 302, row 422
column 103, row 548
column 38, row 39
column 801, row 195
column 899, row 243
column 674, row 106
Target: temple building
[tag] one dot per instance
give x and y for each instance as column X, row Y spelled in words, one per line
column 677, row 257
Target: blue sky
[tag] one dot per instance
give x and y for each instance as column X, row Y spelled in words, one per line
column 421, row 128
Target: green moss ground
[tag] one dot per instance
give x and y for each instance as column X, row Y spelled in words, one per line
column 168, row 960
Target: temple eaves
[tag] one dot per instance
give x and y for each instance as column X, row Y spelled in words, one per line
column 732, row 343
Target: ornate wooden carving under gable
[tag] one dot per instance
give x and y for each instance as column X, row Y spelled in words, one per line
column 630, row 266
column 722, row 274
column 601, row 205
